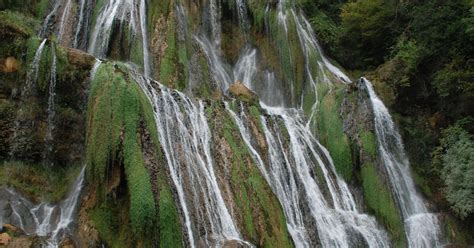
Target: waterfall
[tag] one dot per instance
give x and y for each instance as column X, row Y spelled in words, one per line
column 243, row 17
column 215, row 19
column 115, row 10
column 32, row 74
column 220, row 70
column 44, row 29
column 146, row 56
column 64, row 18
column 185, row 138
column 290, row 174
column 45, row 219
column 28, row 90
column 51, row 111
column 421, row 227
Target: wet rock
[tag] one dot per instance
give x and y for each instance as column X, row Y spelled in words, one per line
column 67, row 243
column 15, row 231
column 80, row 58
column 241, row 92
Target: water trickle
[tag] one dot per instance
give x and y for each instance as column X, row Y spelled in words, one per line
column 243, row 17
column 215, row 16
column 28, row 90
column 146, row 56
column 83, row 24
column 32, row 74
column 421, row 227
column 63, row 21
column 51, row 111
column 44, row 29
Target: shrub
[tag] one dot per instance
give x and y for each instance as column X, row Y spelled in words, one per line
column 455, row 163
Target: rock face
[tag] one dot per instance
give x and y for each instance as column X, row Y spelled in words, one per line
column 241, row 92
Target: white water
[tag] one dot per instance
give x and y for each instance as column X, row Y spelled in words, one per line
column 421, row 227
column 243, row 17
column 53, row 221
column 338, row 220
column 220, row 70
column 115, row 10
column 44, row 28
column 51, row 110
column 79, row 23
column 185, row 138
column 214, row 14
column 32, row 74
column 146, row 56
column 28, row 90
column 63, row 21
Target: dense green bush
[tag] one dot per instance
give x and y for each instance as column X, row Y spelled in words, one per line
column 455, row 161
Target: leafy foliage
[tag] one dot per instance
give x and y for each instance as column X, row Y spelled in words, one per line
column 455, row 160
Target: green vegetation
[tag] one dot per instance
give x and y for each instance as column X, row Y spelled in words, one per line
column 262, row 218
column 331, row 131
column 36, row 181
column 11, row 21
column 379, row 201
column 115, row 110
column 369, row 144
column 455, row 164
column 418, row 54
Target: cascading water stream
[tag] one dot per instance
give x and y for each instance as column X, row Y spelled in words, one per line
column 32, row 74
column 421, row 227
column 63, row 21
column 289, row 173
column 28, row 90
column 47, row 20
column 185, row 138
column 114, row 10
column 51, row 110
column 52, row 221
column 146, row 56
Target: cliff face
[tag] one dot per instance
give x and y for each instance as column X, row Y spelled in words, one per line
column 226, row 148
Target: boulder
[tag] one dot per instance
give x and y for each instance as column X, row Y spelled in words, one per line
column 9, row 65
column 241, row 92
column 80, row 58
column 13, row 230
column 5, row 239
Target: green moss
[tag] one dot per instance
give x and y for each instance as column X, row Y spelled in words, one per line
column 260, row 212
column 36, row 181
column 255, row 114
column 17, row 23
column 115, row 109
column 379, row 201
column 369, row 144
column 168, row 220
column 41, row 8
column 109, row 219
column 168, row 61
column 331, row 131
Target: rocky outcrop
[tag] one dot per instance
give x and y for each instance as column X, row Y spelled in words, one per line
column 241, row 92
